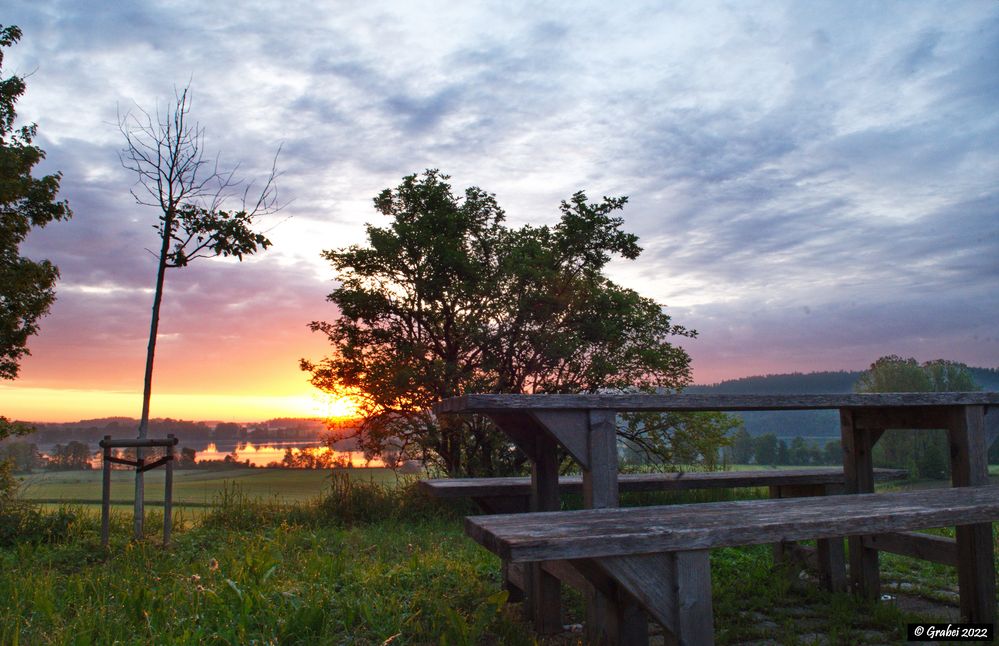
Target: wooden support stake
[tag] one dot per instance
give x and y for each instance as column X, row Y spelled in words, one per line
column 168, row 495
column 106, row 494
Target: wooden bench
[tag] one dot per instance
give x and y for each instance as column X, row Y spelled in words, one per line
column 657, row 557
column 512, row 495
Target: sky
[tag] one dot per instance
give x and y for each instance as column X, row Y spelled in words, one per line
column 815, row 185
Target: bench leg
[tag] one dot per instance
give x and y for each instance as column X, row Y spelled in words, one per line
column 695, row 619
column 615, row 619
column 858, row 469
column 544, row 600
column 976, row 573
column 513, row 576
column 674, row 589
column 832, row 564
column 830, row 558
column 513, row 581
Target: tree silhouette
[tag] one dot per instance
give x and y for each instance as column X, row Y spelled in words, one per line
column 27, row 287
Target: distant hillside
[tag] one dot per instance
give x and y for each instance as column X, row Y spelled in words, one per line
column 814, row 425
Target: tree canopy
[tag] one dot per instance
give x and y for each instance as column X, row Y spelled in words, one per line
column 923, row 453
column 27, row 287
column 446, row 299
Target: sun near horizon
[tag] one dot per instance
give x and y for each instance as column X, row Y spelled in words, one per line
column 57, row 405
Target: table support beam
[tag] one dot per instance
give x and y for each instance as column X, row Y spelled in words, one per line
column 858, row 468
column 975, row 552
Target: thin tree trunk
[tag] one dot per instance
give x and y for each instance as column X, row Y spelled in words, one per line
column 147, row 389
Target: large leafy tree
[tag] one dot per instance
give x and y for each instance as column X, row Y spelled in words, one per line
column 447, row 300
column 923, row 453
column 27, row 287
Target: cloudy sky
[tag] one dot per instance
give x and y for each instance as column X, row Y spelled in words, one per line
column 814, row 184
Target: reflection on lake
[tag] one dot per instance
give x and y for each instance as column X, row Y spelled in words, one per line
column 261, row 455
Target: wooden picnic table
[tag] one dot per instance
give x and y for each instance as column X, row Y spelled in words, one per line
column 585, row 426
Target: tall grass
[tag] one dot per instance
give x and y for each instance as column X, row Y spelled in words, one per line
column 363, row 563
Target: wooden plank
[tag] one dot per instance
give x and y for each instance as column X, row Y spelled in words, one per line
column 651, row 579
column 514, row 580
column 991, row 426
column 566, row 573
column 569, row 428
column 672, row 481
column 600, row 486
column 696, row 402
column 520, row 427
column 879, row 419
column 858, row 467
column 975, row 552
column 518, row 504
column 938, row 549
column 593, row 533
column 137, row 443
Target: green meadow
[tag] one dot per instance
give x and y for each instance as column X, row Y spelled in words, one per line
column 303, row 557
column 191, row 487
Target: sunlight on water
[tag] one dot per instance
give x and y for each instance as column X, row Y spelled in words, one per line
column 263, row 454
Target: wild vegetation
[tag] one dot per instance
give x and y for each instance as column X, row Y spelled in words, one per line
column 363, row 563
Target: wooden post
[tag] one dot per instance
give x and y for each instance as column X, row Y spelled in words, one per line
column 617, row 619
column 106, row 494
column 140, row 495
column 976, row 573
column 858, row 471
column 168, row 492
column 544, row 590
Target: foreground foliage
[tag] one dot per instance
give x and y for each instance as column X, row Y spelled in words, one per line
column 363, row 564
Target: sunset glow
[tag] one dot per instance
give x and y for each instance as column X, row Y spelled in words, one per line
column 70, row 405
column 815, row 190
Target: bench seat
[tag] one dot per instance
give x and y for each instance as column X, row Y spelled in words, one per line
column 670, row 481
column 512, row 495
column 658, row 555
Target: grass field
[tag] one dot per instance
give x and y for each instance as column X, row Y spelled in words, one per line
column 191, row 487
column 199, row 487
column 366, row 563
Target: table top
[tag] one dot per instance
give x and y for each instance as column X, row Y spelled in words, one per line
column 504, row 403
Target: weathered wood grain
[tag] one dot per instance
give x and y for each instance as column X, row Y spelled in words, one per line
column 938, row 549
column 858, row 467
column 975, row 551
column 591, row 533
column 630, row 482
column 696, row 402
column 544, row 591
